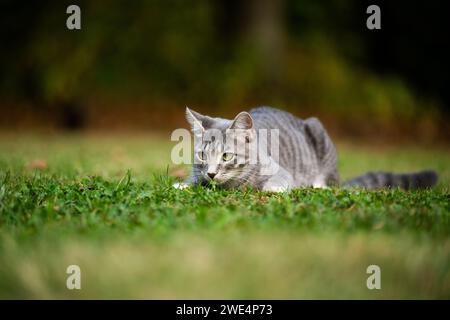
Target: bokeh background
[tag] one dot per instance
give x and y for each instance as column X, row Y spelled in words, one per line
column 135, row 65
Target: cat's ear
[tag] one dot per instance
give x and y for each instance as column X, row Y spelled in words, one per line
column 195, row 120
column 242, row 121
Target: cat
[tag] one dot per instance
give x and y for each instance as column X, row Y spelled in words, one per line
column 306, row 155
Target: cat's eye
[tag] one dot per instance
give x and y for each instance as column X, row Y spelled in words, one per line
column 227, row 156
column 201, row 155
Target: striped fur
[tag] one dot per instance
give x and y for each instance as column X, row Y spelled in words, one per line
column 407, row 181
column 307, row 155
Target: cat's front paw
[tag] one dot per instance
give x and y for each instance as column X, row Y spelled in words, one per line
column 180, row 185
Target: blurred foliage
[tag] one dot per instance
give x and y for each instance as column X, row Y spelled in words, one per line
column 292, row 54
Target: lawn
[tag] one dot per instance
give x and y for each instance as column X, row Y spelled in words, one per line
column 105, row 203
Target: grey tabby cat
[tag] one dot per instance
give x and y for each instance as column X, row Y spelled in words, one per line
column 306, row 155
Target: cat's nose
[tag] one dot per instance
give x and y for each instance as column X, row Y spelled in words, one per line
column 211, row 175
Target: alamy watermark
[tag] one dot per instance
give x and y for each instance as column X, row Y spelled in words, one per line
column 374, row 280
column 73, row 22
column 374, row 20
column 74, row 279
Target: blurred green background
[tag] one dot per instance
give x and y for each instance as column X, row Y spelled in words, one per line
column 135, row 65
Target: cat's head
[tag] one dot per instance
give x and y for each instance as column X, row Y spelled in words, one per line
column 222, row 147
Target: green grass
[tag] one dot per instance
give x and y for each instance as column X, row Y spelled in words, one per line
column 106, row 204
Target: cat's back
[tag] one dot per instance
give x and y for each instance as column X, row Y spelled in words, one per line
column 271, row 118
column 306, row 150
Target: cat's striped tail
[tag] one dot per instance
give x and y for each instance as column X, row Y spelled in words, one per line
column 407, row 181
